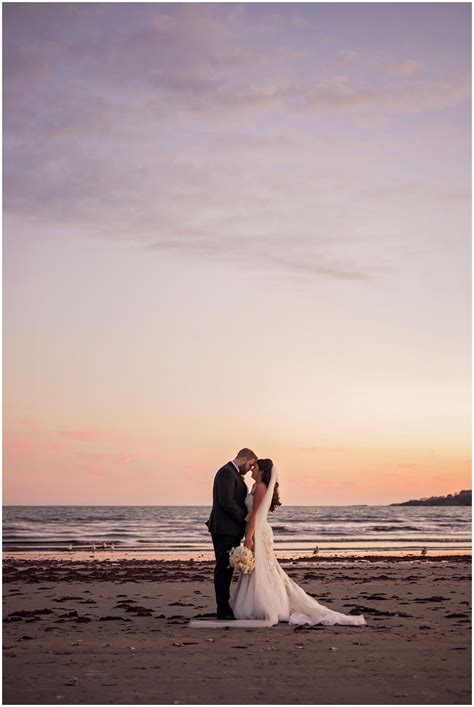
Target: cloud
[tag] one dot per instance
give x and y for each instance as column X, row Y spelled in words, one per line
column 339, row 449
column 123, row 458
column 338, row 96
column 31, row 422
column 311, row 269
column 250, row 251
column 91, row 434
column 328, row 484
column 410, row 67
column 25, row 69
column 31, row 447
column 348, row 56
column 300, row 22
column 191, row 128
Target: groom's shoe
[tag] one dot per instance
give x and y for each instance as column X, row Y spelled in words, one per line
column 225, row 615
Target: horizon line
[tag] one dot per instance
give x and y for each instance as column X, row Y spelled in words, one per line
column 196, row 505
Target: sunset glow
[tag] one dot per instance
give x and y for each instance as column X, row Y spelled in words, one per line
column 233, row 225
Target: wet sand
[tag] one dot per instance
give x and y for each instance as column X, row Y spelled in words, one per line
column 116, row 632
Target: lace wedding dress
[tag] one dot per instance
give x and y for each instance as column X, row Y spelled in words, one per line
column 268, row 595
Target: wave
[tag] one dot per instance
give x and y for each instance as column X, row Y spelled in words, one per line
column 389, row 528
column 153, row 526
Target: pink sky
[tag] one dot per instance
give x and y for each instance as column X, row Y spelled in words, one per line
column 233, row 225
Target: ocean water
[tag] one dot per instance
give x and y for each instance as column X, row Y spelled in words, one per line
column 180, row 531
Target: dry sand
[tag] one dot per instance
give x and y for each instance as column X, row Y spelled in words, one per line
column 107, row 632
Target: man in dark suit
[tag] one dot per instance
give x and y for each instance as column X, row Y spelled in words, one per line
column 227, row 522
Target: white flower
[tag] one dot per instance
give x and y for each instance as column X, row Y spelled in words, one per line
column 242, row 558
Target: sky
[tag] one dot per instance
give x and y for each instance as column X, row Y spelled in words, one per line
column 231, row 225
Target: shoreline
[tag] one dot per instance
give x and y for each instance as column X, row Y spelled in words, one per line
column 141, row 569
column 282, row 556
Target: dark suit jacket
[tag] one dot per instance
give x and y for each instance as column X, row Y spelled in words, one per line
column 228, row 503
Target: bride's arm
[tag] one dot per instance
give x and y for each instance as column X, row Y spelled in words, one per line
column 247, row 517
column 257, row 500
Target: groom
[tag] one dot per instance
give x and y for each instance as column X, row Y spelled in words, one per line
column 227, row 522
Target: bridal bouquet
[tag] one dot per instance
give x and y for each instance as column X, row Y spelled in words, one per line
column 242, row 558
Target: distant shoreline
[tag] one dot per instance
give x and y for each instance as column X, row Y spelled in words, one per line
column 462, row 499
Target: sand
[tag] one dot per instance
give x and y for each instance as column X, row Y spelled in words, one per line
column 104, row 632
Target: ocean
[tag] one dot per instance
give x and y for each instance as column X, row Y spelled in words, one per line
column 180, row 532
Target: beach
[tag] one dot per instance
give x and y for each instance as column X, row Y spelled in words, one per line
column 105, row 631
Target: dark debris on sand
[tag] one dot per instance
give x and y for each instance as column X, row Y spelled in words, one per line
column 140, row 570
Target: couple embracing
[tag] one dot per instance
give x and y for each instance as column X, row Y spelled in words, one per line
column 267, row 595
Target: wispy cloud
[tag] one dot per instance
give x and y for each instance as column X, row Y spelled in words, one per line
column 31, row 423
column 336, row 449
column 194, row 128
column 347, row 55
column 255, row 252
column 410, row 67
column 84, row 434
column 24, row 446
column 339, row 95
column 123, row 458
column 93, row 433
column 314, row 270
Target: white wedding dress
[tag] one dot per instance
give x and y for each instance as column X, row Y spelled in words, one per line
column 268, row 595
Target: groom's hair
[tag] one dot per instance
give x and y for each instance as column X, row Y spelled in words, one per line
column 247, row 453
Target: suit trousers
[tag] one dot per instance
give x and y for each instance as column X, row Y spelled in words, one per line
column 222, row 572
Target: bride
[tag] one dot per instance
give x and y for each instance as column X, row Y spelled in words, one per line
column 268, row 595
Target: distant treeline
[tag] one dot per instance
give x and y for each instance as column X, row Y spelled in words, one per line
column 463, row 498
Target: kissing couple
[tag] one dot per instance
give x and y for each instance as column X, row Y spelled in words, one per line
column 267, row 595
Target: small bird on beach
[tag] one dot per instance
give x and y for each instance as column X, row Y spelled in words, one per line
column 316, row 550
column 93, row 548
column 113, row 546
column 105, row 546
column 424, row 551
column 70, row 548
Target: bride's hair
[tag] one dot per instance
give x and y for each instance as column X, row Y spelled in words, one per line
column 265, row 466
